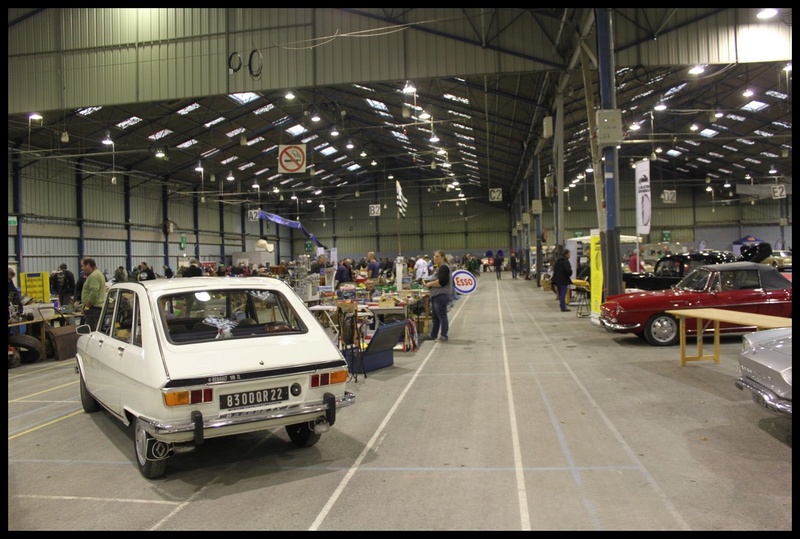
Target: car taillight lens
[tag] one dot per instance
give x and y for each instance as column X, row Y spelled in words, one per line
column 188, row 396
column 328, row 378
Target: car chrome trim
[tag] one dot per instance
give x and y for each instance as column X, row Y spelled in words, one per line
column 765, row 397
column 610, row 326
column 162, row 428
column 255, row 375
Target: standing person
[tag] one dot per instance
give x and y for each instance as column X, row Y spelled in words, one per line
column 440, row 289
column 635, row 262
column 562, row 278
column 66, row 286
column 473, row 265
column 512, row 263
column 421, row 268
column 194, row 269
column 93, row 294
column 343, row 274
column 146, row 273
column 168, row 273
column 14, row 296
column 120, row 275
column 498, row 264
column 373, row 266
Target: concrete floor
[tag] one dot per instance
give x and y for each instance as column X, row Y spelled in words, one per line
column 527, row 419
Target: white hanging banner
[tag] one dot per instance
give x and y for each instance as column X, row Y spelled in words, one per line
column 643, row 202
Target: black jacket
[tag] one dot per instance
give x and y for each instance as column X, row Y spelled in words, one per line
column 562, row 272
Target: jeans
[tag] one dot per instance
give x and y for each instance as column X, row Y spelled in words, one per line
column 562, row 295
column 440, row 321
column 91, row 316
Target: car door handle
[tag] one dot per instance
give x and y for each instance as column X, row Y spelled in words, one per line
column 120, row 349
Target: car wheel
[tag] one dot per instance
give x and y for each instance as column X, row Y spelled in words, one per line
column 662, row 330
column 90, row 405
column 302, row 435
column 14, row 359
column 151, row 469
column 30, row 348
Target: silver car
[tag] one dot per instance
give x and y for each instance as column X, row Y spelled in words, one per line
column 765, row 369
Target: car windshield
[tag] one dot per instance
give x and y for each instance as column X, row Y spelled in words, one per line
column 695, row 281
column 207, row 315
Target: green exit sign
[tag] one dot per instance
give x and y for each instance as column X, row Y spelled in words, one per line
column 183, row 241
column 666, row 235
column 12, row 221
column 309, row 247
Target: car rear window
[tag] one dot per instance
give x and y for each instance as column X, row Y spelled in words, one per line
column 205, row 315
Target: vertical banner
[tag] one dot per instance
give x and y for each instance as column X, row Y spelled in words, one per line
column 643, row 209
column 596, row 280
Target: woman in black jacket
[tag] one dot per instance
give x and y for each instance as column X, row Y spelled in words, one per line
column 562, row 278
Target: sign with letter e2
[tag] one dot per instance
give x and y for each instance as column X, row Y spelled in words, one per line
column 464, row 282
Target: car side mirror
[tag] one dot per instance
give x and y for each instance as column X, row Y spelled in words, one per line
column 84, row 329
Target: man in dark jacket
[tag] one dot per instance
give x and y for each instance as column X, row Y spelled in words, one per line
column 562, row 278
column 66, row 286
column 194, row 269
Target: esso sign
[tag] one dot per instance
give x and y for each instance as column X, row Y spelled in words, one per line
column 464, row 282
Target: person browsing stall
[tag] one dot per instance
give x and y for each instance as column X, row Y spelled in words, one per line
column 93, row 293
column 440, row 289
column 562, row 278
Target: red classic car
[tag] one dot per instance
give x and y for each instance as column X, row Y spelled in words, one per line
column 738, row 286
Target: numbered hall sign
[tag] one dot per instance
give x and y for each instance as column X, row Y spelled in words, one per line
column 464, row 282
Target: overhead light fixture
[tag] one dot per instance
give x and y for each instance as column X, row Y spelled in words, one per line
column 318, row 192
column 212, row 178
column 160, row 153
column 409, row 88
column 358, row 194
column 113, row 180
column 773, row 170
column 315, row 117
column 434, row 138
column 289, row 94
column 767, row 13
column 374, row 163
column 256, row 186
column 230, row 176
column 635, row 127
column 350, row 144
column 390, row 176
column 660, row 106
column 726, row 184
column 424, row 115
column 64, row 137
column 280, row 198
column 294, row 197
column 242, row 140
column 199, row 167
column 107, row 141
column 363, row 153
column 203, row 199
column 694, row 127
column 34, row 116
column 335, row 131
column 697, row 70
column 748, row 93
column 718, row 114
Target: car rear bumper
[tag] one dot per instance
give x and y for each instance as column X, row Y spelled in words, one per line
column 766, row 398
column 198, row 427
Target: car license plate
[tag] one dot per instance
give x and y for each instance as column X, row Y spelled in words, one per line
column 247, row 399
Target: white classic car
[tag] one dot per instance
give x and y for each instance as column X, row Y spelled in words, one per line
column 765, row 369
column 188, row 359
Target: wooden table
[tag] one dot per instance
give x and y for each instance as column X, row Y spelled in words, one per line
column 758, row 321
column 43, row 331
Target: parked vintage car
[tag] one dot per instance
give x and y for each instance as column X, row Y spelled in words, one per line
column 185, row 360
column 765, row 369
column 783, row 260
column 738, row 286
column 670, row 269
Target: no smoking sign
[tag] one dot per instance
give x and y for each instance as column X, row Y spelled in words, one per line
column 292, row 158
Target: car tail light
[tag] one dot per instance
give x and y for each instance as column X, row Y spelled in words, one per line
column 188, row 396
column 328, row 378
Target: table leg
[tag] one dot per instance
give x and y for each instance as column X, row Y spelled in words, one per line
column 716, row 342
column 683, row 340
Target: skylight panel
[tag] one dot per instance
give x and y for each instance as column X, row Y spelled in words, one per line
column 674, row 90
column 328, row 150
column 270, row 149
column 452, row 112
column 262, row 171
column 340, row 158
column 739, row 166
column 709, row 133
column 133, row 120
column 725, row 171
column 462, row 126
column 399, row 136
column 377, row 105
column 88, row 111
column 230, row 160
column 730, row 148
column 188, row 144
column 189, row 108
column 297, row 130
column 754, row 106
column 215, row 122
column 673, row 152
column 777, row 95
column 745, row 141
column 158, row 135
column 235, row 132
column 353, row 167
column 209, row 153
column 464, row 137
column 247, row 165
column 769, row 155
column 732, row 116
column 752, row 160
column 716, row 154
column 273, row 177
column 255, row 140
column 266, row 108
column 779, row 123
column 244, row 97
column 365, row 88
column 457, row 99
column 691, row 143
column 763, row 133
column 384, row 114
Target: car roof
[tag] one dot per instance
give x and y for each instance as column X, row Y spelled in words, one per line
column 771, row 278
column 202, row 283
column 710, row 255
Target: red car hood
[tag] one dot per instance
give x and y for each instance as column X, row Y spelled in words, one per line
column 661, row 299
